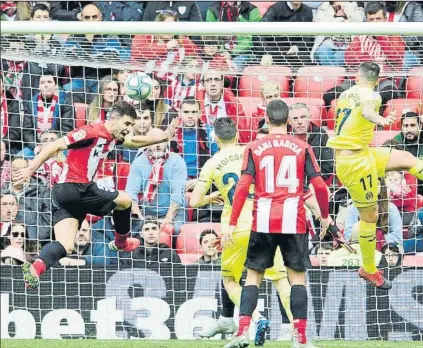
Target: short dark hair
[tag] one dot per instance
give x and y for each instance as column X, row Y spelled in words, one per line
column 190, row 101
column 374, row 7
column 410, row 114
column 123, row 108
column 370, row 71
column 143, row 106
column 391, row 246
column 225, row 129
column 150, row 219
column 40, row 7
column 205, row 233
column 277, row 111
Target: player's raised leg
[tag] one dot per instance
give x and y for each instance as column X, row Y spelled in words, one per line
column 65, row 232
column 122, row 222
column 403, row 160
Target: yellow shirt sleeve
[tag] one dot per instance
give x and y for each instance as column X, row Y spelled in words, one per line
column 206, row 175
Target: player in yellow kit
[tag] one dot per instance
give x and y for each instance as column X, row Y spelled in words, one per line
column 359, row 166
column 224, row 171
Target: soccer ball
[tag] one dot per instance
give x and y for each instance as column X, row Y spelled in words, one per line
column 138, row 86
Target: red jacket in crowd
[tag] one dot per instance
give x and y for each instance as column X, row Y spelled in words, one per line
column 233, row 109
column 386, row 50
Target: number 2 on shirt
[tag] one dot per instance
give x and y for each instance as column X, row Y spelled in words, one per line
column 231, row 192
column 342, row 117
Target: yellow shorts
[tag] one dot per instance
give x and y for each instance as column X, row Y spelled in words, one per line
column 235, row 254
column 359, row 173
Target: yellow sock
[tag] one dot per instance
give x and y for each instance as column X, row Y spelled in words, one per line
column 367, row 240
column 284, row 290
column 417, row 170
column 235, row 295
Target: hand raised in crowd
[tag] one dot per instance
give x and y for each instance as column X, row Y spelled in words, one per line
column 171, row 129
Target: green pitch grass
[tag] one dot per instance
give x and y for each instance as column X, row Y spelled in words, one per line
column 190, row 344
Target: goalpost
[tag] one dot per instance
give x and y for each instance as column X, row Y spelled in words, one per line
column 163, row 300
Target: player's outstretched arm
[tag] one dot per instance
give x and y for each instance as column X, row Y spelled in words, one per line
column 198, row 196
column 137, row 141
column 46, row 153
column 369, row 113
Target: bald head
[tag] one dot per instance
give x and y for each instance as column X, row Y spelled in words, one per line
column 157, row 150
column 91, row 13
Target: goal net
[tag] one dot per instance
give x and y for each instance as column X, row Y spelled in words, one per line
column 55, row 79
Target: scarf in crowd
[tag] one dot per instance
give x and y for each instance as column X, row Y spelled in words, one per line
column 156, row 175
column 14, row 78
column 8, row 10
column 4, row 117
column 45, row 116
column 201, row 145
column 229, row 13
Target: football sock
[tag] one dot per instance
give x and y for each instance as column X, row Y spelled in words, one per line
column 122, row 221
column 299, row 304
column 228, row 306
column 417, row 170
column 249, row 299
column 49, row 255
column 367, row 240
column 284, row 291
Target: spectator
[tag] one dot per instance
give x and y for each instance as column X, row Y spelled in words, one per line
column 157, row 102
column 126, row 11
column 183, row 84
column 8, row 212
column 414, row 241
column 51, row 107
column 323, row 252
column 19, row 249
column 15, row 10
column 34, row 203
column 157, row 182
column 10, row 121
column 143, row 124
column 387, row 51
column 392, row 254
column 208, row 245
column 121, row 76
column 239, row 47
column 4, row 163
column 88, row 47
column 191, row 140
column 301, row 127
column 407, row 11
column 66, row 10
column 402, row 188
column 184, row 11
column 166, row 49
column 50, row 171
column 285, row 49
column 44, row 44
column 269, row 91
column 409, row 139
column 389, row 224
column 330, row 50
column 87, row 252
column 151, row 249
column 108, row 94
column 216, row 102
column 215, row 57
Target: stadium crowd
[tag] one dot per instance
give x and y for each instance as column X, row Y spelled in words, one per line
column 216, row 77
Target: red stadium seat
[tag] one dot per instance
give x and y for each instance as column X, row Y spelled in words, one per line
column 263, row 6
column 381, row 137
column 414, row 84
column 419, row 201
column 122, row 172
column 165, row 238
column 188, row 239
column 80, row 114
column 313, row 81
column 316, row 106
column 253, row 76
column 401, row 106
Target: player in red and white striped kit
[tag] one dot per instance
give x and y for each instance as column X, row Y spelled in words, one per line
column 279, row 165
column 76, row 194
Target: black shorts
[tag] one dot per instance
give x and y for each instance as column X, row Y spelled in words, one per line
column 72, row 200
column 262, row 248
